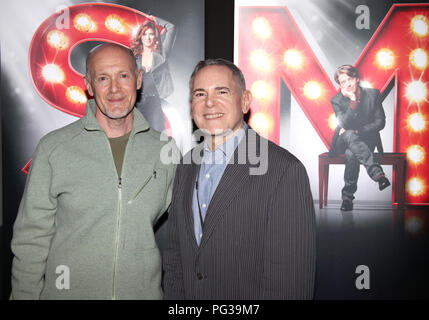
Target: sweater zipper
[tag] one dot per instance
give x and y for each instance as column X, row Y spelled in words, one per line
column 144, row 185
column 118, row 221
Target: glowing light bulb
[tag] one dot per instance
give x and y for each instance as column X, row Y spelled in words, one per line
column 419, row 25
column 416, row 154
column 365, row 84
column 385, row 58
column 261, row 60
column 76, row 94
column 134, row 31
column 115, row 23
column 416, row 122
column 57, row 40
column 415, row 187
column 261, row 90
column 293, row 58
column 261, row 27
column 312, row 90
column 416, row 91
column 261, row 123
column 53, row 73
column 419, row 58
column 333, row 121
column 84, row 23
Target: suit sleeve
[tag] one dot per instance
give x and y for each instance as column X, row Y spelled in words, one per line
column 379, row 119
column 343, row 112
column 172, row 265
column 290, row 246
column 33, row 230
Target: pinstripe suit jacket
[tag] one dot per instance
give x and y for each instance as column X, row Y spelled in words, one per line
column 259, row 236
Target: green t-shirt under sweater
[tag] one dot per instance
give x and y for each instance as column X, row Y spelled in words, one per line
column 118, row 150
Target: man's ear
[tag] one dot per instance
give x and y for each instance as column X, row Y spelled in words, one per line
column 88, row 86
column 246, row 101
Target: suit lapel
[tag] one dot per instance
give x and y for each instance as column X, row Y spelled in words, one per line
column 188, row 187
column 233, row 179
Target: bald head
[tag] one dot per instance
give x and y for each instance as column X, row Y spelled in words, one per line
column 107, row 47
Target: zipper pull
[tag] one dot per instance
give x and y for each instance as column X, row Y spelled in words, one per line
column 154, row 174
column 120, row 183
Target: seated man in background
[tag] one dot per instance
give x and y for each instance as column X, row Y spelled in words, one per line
column 361, row 116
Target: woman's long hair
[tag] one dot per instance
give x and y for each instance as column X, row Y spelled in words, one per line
column 137, row 45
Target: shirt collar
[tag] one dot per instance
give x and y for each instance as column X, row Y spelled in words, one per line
column 223, row 153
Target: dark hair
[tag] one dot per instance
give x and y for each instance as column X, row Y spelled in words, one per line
column 219, row 62
column 348, row 70
column 137, row 45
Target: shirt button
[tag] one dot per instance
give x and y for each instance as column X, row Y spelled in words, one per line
column 201, row 235
column 207, row 175
column 204, row 205
column 199, row 276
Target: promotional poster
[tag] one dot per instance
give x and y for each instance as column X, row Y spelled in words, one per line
column 289, row 52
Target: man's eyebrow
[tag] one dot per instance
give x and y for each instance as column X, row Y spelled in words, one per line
column 198, row 89
column 222, row 88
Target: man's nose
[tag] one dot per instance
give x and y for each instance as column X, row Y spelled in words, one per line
column 114, row 85
column 209, row 100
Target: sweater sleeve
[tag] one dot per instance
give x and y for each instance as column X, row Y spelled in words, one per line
column 33, row 230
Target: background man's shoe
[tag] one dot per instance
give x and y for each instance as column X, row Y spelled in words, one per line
column 383, row 183
column 347, row 205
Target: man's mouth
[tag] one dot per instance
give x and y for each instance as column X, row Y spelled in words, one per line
column 116, row 100
column 213, row 116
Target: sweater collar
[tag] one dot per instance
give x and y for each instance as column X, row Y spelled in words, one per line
column 91, row 124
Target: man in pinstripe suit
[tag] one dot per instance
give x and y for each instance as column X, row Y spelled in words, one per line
column 237, row 228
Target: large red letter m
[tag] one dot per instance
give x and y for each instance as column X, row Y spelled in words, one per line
column 272, row 48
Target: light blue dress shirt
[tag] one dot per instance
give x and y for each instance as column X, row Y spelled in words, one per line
column 212, row 167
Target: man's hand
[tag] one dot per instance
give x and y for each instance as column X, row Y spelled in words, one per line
column 342, row 130
column 349, row 94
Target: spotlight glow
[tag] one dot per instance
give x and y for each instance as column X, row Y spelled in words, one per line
column 261, row 90
column 416, row 122
column 293, row 58
column 75, row 94
column 365, row 84
column 419, row 25
column 416, row 91
column 312, row 90
column 57, row 40
column 84, row 23
column 115, row 23
column 385, row 58
column 53, row 73
column 262, row 123
column 260, row 60
column 261, row 27
column 415, row 187
column 416, row 154
column 333, row 121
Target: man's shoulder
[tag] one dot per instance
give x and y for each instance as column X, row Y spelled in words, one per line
column 281, row 157
column 338, row 98
column 61, row 135
column 370, row 91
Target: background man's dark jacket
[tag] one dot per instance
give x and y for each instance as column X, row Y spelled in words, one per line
column 368, row 118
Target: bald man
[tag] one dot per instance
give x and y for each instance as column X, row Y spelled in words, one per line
column 96, row 187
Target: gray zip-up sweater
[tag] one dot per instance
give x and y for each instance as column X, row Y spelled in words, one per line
column 82, row 233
